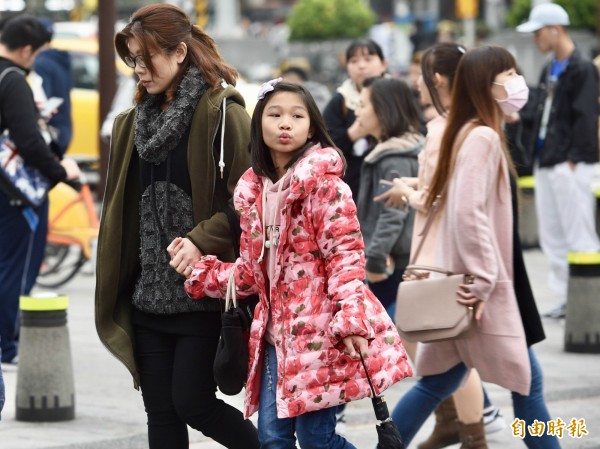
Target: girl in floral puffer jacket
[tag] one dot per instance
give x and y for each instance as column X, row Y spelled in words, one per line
column 302, row 252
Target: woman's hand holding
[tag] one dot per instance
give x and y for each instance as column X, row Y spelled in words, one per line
column 356, row 345
column 183, row 254
column 468, row 298
column 396, row 196
column 410, row 182
column 72, row 169
column 376, row 277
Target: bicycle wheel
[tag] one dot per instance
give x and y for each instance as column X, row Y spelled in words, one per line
column 61, row 263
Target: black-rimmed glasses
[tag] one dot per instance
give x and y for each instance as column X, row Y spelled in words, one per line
column 132, row 62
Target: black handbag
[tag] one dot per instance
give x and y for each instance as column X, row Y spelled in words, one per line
column 24, row 185
column 230, row 368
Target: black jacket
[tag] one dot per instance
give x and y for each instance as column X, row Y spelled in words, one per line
column 19, row 114
column 572, row 132
column 338, row 118
column 532, row 323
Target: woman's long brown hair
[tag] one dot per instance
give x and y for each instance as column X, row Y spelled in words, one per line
column 471, row 100
column 160, row 28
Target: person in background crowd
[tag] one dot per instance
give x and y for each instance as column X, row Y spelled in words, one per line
column 54, row 67
column 427, row 110
column 22, row 240
column 388, row 114
column 297, row 71
column 301, row 251
column 123, row 99
column 566, row 147
column 472, row 154
column 175, row 160
column 439, row 63
column 364, row 59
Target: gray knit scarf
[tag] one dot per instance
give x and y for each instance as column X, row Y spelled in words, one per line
column 156, row 131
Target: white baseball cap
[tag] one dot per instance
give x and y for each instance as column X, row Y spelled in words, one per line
column 544, row 15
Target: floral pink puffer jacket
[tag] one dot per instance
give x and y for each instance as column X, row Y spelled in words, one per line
column 319, row 298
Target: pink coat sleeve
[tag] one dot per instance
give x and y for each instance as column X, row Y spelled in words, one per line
column 210, row 277
column 340, row 242
column 474, row 183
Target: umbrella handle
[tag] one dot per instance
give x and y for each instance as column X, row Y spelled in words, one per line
column 367, row 373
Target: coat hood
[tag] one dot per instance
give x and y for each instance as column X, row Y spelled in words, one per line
column 59, row 57
column 314, row 164
column 409, row 144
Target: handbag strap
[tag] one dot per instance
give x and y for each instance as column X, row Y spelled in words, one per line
column 230, row 296
column 425, row 230
column 3, row 74
column 428, row 268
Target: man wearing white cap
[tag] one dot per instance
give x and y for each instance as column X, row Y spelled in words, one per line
column 566, row 146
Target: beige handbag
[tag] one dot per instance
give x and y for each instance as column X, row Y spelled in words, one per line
column 426, row 307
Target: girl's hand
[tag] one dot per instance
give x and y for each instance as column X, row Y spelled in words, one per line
column 183, row 254
column 356, row 345
column 396, row 195
column 356, row 131
column 469, row 299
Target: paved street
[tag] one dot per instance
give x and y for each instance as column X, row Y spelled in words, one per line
column 109, row 412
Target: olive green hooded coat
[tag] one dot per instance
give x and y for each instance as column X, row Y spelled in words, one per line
column 118, row 263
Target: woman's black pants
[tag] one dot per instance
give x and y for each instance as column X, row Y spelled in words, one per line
column 175, row 355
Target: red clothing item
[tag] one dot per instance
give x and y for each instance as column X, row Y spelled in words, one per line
column 319, row 297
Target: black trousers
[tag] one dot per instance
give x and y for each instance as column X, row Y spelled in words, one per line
column 175, row 355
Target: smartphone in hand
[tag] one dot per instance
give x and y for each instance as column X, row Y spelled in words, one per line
column 51, row 105
column 384, row 186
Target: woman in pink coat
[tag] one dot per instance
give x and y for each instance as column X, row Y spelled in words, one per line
column 301, row 250
column 475, row 236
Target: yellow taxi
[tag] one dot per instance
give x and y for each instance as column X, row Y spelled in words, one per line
column 84, row 96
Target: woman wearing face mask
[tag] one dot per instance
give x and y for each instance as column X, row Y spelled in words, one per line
column 475, row 236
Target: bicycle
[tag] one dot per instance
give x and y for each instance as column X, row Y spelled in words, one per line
column 72, row 233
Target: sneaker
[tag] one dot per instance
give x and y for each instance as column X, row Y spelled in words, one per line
column 11, row 365
column 558, row 312
column 492, row 420
column 340, row 423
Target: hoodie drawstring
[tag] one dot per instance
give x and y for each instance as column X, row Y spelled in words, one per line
column 271, row 242
column 222, row 155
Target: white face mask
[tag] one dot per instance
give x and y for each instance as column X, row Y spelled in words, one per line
column 517, row 94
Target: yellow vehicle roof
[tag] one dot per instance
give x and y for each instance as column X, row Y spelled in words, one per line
column 86, row 45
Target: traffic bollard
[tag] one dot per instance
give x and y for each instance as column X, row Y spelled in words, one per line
column 582, row 322
column 45, row 385
column 528, row 225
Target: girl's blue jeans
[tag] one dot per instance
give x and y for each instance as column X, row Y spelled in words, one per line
column 314, row 430
column 422, row 399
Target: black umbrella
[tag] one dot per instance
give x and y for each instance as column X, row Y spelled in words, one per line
column 387, row 433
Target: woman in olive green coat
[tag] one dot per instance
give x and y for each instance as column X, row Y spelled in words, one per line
column 175, row 159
